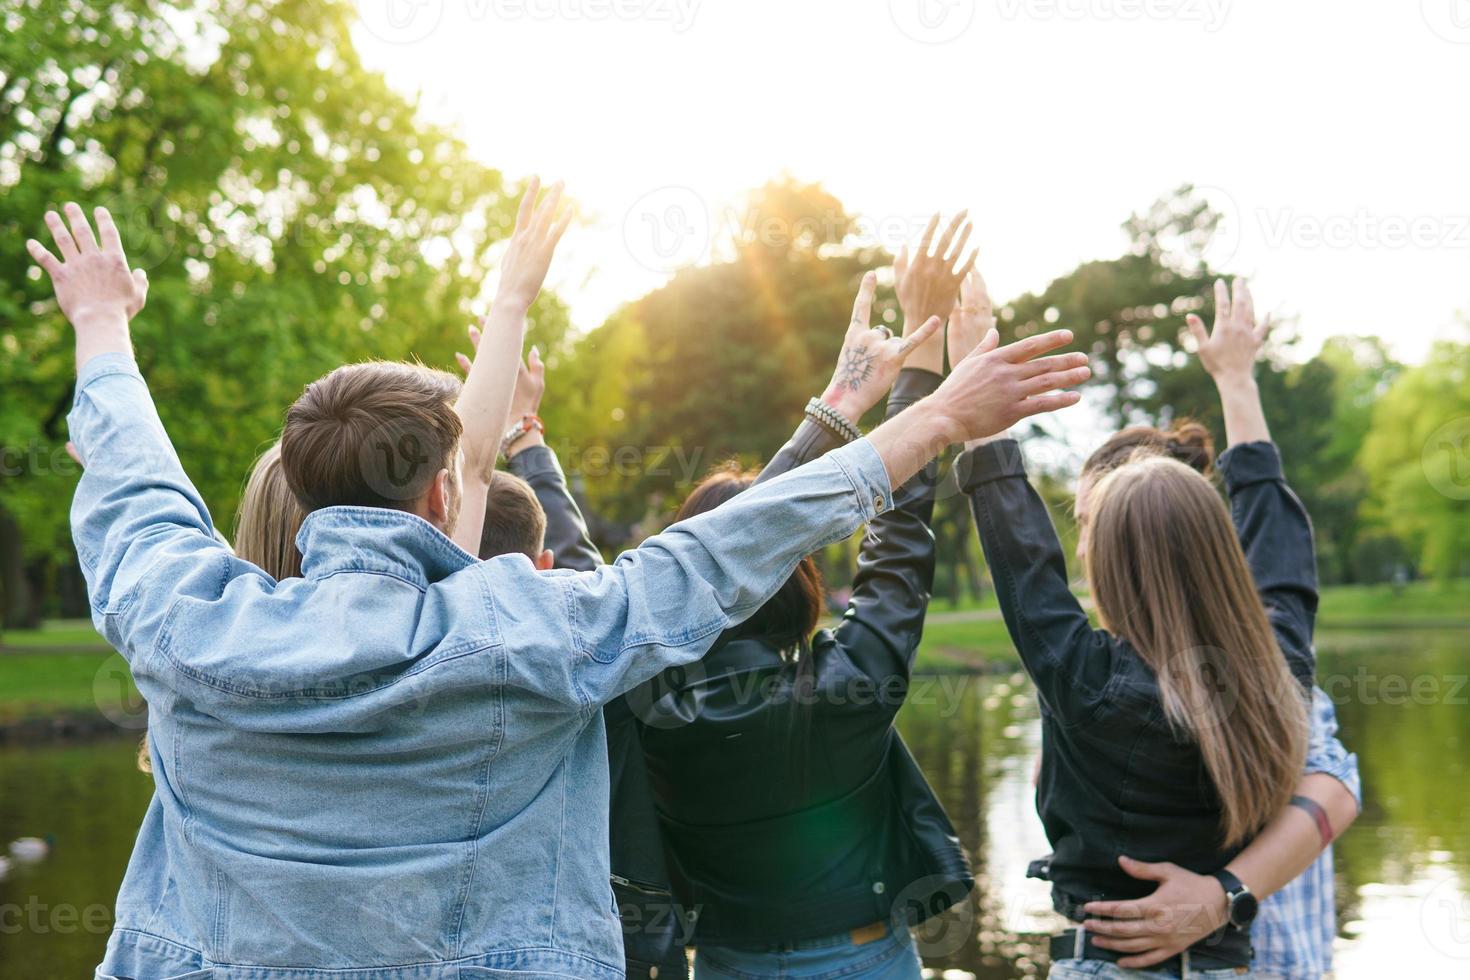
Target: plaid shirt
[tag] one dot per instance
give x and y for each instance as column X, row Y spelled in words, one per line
column 1293, row 932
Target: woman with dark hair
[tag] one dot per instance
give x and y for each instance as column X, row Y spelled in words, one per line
column 800, row 833
column 1177, row 732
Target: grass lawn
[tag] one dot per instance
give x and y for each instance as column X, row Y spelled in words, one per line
column 59, row 667
column 42, row 684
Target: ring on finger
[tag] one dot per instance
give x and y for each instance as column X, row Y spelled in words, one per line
column 887, row 334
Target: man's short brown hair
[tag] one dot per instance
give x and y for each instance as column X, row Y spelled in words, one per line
column 371, row 435
column 514, row 520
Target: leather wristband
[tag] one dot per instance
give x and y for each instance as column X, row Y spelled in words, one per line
column 1314, row 810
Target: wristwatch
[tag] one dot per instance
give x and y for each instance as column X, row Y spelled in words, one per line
column 1241, row 905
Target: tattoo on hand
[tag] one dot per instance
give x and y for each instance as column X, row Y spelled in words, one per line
column 856, row 368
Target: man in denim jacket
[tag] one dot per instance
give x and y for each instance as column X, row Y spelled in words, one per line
column 395, row 766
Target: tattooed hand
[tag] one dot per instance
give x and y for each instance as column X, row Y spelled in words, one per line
column 871, row 358
column 928, row 283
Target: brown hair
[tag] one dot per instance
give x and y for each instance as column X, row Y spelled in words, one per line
column 1169, row 576
column 790, row 617
column 372, row 435
column 265, row 532
column 514, row 520
column 1188, row 441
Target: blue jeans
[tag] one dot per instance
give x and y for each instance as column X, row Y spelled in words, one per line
column 1103, row 970
column 890, row 957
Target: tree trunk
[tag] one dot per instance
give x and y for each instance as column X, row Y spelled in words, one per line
column 17, row 611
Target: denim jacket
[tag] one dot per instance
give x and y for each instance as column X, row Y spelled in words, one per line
column 394, row 766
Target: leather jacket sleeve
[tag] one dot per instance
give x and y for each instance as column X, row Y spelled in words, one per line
column 1069, row 661
column 566, row 528
column 884, row 621
column 1276, row 535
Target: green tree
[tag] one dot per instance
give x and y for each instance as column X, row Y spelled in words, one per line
column 292, row 210
column 1417, row 459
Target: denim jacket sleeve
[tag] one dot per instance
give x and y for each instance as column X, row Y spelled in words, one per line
column 1069, row 661
column 1276, row 534
column 667, row 601
column 136, row 519
column 566, row 528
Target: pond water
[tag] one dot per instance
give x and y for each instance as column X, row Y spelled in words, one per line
column 1403, row 870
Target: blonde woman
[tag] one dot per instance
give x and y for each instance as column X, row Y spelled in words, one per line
column 1177, row 732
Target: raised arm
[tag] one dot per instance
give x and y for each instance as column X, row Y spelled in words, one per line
column 484, row 402
column 1274, row 529
column 1061, row 651
column 926, row 287
column 667, row 601
column 142, row 532
column 531, row 459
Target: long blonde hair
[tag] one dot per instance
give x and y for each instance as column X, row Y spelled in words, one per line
column 1169, row 576
column 265, row 532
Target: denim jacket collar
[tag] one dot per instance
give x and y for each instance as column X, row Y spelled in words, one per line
column 376, row 539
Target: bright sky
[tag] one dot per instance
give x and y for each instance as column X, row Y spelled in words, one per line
column 1332, row 133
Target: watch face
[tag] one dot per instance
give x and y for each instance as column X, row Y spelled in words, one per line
column 1243, row 909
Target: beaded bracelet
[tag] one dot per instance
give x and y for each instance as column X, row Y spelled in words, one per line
column 834, row 421
column 520, row 430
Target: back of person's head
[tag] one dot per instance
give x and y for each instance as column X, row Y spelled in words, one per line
column 268, row 519
column 1169, row 576
column 789, row 617
column 376, row 434
column 1188, row 441
column 515, row 523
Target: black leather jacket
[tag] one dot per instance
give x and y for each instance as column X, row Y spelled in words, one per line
column 1115, row 779
column 792, row 821
column 654, row 926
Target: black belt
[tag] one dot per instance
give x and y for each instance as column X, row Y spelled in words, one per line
column 1064, row 947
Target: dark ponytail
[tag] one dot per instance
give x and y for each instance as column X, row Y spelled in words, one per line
column 1188, row 441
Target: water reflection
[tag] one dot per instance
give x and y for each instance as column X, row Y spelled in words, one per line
column 1403, row 871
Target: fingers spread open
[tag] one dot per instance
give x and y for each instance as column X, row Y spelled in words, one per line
column 901, row 264
column 952, row 257
column 1056, row 379
column 1197, row 329
column 1243, row 305
column 1222, row 303
column 547, row 209
column 463, row 362
column 862, row 307
column 42, row 257
column 81, row 231
column 1038, row 404
column 1024, row 350
column 927, row 330
column 954, row 223
column 1054, row 362
column 964, row 270
column 107, row 231
column 528, row 202
column 928, row 236
column 64, row 245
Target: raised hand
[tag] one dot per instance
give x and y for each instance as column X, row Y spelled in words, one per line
column 972, row 321
column 538, row 229
column 928, row 281
column 870, row 358
column 1229, row 353
column 992, row 388
column 1232, row 348
column 95, row 289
